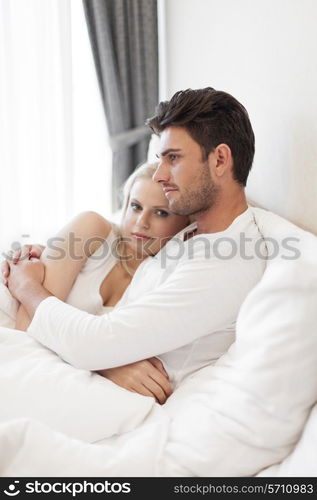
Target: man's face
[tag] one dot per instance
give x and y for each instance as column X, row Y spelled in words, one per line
column 185, row 178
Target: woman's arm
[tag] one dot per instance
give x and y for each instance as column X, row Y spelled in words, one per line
column 66, row 254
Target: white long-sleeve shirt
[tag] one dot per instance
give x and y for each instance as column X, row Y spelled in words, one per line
column 181, row 306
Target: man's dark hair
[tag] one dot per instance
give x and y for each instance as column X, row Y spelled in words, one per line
column 211, row 117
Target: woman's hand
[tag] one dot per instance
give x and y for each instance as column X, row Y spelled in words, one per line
column 24, row 273
column 146, row 377
column 24, row 253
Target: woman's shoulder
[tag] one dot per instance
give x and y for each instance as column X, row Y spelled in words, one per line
column 93, row 227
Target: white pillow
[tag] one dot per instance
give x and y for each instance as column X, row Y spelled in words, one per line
column 302, row 462
column 35, row 383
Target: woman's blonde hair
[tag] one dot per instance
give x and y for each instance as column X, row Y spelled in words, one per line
column 144, row 171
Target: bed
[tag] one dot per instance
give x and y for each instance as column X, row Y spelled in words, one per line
column 253, row 413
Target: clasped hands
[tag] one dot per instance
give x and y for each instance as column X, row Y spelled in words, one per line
column 147, row 377
column 22, row 268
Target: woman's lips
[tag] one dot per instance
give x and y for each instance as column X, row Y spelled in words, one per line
column 140, row 236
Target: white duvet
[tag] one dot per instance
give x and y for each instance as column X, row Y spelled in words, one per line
column 36, row 384
column 252, row 413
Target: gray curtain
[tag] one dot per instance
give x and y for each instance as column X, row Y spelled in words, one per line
column 123, row 35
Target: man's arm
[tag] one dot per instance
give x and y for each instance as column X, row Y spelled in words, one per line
column 146, row 377
column 201, row 297
column 25, row 283
column 31, row 293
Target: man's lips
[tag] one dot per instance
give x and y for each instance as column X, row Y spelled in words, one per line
column 141, row 236
column 167, row 190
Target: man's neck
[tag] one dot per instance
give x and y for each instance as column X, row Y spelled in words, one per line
column 222, row 214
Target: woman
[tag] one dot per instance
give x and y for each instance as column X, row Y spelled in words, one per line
column 91, row 262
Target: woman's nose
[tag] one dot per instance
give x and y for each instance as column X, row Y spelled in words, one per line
column 143, row 221
column 162, row 173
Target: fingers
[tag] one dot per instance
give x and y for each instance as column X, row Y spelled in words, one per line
column 160, row 375
column 36, row 251
column 27, row 252
column 159, row 365
column 149, row 388
column 157, row 380
column 6, row 275
column 16, row 255
column 155, row 389
column 162, row 381
column 5, row 269
column 141, row 389
column 141, row 377
column 5, row 272
column 24, row 253
column 13, row 256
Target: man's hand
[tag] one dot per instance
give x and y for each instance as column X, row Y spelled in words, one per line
column 23, row 274
column 146, row 377
column 24, row 253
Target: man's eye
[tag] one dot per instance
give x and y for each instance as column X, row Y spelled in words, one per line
column 172, row 157
column 162, row 213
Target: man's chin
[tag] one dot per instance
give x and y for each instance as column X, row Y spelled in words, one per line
column 177, row 209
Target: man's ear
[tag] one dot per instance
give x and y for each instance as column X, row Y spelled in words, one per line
column 222, row 159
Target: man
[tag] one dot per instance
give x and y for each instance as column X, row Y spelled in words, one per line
column 182, row 304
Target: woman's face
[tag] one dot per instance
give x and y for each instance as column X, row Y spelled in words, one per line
column 148, row 223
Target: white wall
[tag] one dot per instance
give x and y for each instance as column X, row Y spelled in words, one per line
column 264, row 52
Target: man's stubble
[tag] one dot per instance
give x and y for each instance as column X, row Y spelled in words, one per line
column 198, row 198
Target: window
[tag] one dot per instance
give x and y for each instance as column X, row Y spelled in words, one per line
column 54, row 153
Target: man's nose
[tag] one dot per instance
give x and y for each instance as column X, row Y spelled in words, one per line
column 162, row 173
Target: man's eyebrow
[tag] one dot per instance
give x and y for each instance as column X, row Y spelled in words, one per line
column 166, row 152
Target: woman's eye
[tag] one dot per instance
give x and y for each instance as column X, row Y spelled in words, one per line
column 162, row 213
column 135, row 206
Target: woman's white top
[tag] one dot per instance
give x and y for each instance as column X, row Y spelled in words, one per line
column 85, row 293
column 182, row 305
